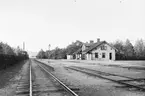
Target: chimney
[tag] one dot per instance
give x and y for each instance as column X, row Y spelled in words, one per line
column 91, row 41
column 98, row 40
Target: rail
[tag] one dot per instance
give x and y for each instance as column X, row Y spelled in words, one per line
column 61, row 83
column 103, row 77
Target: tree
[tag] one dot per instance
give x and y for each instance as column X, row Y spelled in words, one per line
column 119, row 46
column 140, row 48
column 60, row 53
column 8, row 56
column 1, row 48
column 6, row 49
column 73, row 47
column 41, row 54
column 128, row 49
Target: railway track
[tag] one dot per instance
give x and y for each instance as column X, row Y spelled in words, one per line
column 61, row 83
column 137, row 83
column 126, row 67
column 116, row 66
column 28, row 87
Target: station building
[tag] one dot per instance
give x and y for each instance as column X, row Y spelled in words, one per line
column 100, row 50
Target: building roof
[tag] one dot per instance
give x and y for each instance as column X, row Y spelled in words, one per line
column 88, row 44
column 78, row 51
column 95, row 45
column 91, row 46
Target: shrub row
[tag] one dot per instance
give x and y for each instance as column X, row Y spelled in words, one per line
column 9, row 60
column 134, row 57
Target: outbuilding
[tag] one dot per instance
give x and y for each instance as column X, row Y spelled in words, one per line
column 69, row 57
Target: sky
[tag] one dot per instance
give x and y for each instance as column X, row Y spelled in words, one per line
column 39, row 23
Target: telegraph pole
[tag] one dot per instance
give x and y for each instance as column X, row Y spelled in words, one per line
column 49, row 47
column 48, row 50
column 23, row 46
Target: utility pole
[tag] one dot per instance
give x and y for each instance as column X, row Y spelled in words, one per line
column 48, row 50
column 49, row 47
column 23, row 46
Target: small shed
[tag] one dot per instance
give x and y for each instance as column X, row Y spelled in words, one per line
column 69, row 57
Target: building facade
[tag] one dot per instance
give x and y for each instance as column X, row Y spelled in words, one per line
column 101, row 50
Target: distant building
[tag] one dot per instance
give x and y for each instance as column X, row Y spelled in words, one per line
column 101, row 50
column 69, row 57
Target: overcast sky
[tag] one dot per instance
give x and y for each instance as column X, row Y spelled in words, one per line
column 59, row 22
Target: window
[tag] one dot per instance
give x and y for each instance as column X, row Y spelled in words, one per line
column 96, row 55
column 103, row 47
column 103, row 55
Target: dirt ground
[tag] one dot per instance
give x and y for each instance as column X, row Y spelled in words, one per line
column 9, row 79
column 94, row 86
column 88, row 85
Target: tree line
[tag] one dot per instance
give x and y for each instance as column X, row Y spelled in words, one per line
column 60, row 53
column 125, row 50
column 10, row 56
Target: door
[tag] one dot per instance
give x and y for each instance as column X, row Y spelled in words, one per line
column 110, row 56
column 83, row 56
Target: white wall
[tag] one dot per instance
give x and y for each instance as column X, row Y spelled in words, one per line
column 69, row 57
column 78, row 56
column 99, row 51
column 88, row 57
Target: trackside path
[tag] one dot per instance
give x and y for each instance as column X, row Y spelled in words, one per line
column 23, row 84
column 10, row 78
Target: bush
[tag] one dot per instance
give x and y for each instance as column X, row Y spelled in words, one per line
column 9, row 60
